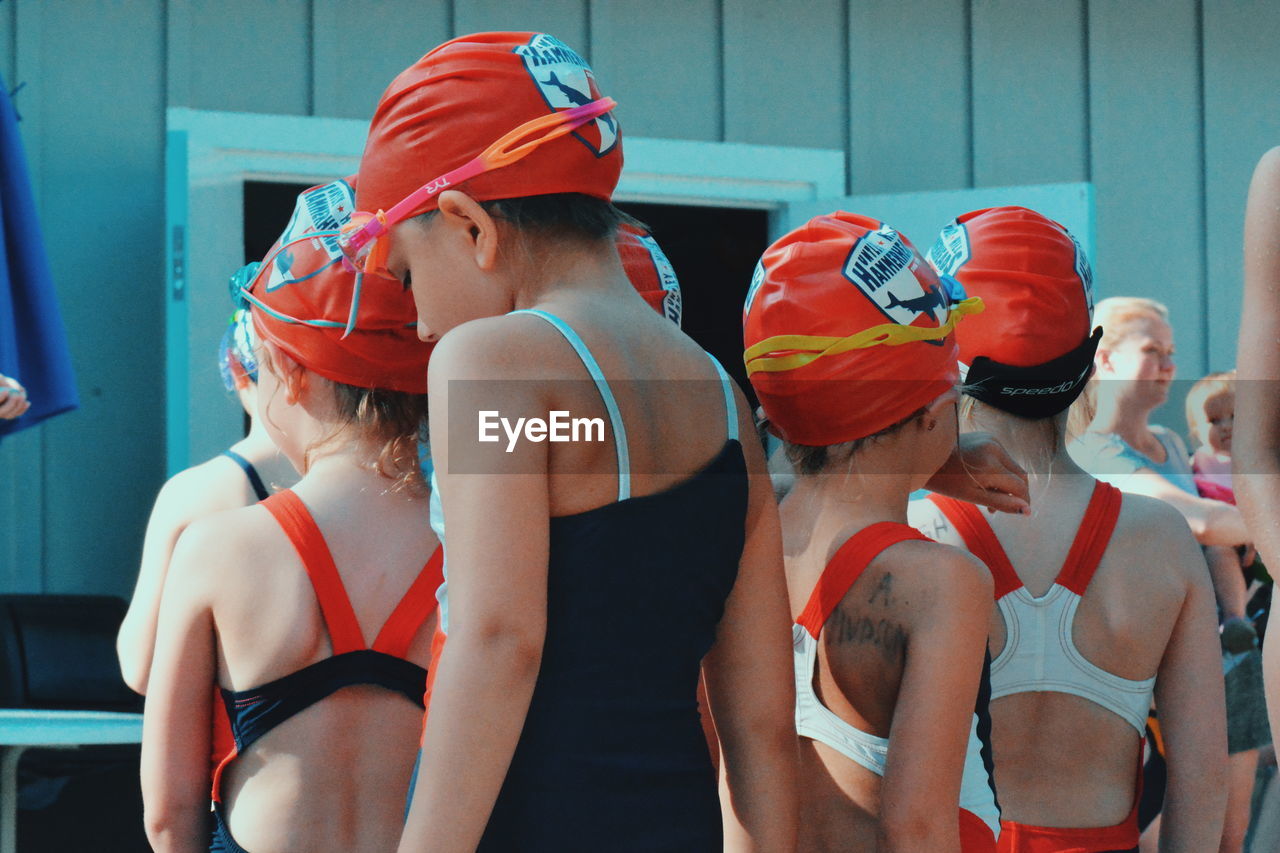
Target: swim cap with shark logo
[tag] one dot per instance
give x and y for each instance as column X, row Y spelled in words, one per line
column 649, row 271
column 848, row 330
column 302, row 300
column 456, row 100
column 1031, row 352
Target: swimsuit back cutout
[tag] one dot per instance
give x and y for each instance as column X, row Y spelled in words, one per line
column 615, row 423
column 612, row 741
column 1040, row 653
column 251, row 473
column 256, row 711
column 816, row 721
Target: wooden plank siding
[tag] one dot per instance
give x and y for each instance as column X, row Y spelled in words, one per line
column 1030, row 119
column 1165, row 105
column 910, row 112
column 1241, row 121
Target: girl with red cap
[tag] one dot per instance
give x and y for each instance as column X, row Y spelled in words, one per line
column 849, row 347
column 1084, row 632
column 590, row 581
column 342, row 559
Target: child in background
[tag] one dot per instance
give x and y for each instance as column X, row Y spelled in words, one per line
column 1211, row 407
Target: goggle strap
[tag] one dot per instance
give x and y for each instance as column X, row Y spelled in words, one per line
column 807, row 349
column 506, row 150
column 355, row 305
column 286, row 318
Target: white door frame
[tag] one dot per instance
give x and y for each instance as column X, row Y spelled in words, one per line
column 209, row 155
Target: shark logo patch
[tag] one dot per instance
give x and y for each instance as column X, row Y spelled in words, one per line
column 757, row 279
column 1085, row 272
column 565, row 80
column 951, row 249
column 883, row 267
column 672, row 304
column 325, row 208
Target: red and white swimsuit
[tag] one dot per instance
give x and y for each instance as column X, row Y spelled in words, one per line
column 1040, row 653
column 979, row 813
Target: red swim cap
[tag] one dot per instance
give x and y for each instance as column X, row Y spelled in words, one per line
column 307, row 281
column 454, row 102
column 1030, row 273
column 1031, row 352
column 847, row 330
column 649, row 271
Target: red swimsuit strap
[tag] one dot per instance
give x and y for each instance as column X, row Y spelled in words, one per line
column 1092, row 538
column 415, row 608
column 848, row 564
column 335, row 605
column 981, row 541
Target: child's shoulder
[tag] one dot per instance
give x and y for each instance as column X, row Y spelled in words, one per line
column 936, row 573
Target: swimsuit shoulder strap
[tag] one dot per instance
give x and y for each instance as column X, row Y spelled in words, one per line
column 611, row 405
column 298, row 524
column 730, row 404
column 417, row 605
column 250, row 472
column 1091, row 539
column 981, row 541
column 848, row 564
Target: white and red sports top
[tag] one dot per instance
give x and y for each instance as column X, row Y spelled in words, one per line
column 817, row 722
column 1040, row 653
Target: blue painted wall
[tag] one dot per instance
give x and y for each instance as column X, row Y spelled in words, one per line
column 1164, row 105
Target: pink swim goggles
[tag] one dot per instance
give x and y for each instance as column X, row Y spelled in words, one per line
column 362, row 247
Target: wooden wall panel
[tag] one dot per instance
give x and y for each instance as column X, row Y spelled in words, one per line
column 100, row 161
column 1145, row 83
column 661, row 60
column 786, row 85
column 564, row 19
column 357, row 55
column 1242, row 120
column 909, row 124
column 1030, row 113
column 6, row 42
column 244, row 55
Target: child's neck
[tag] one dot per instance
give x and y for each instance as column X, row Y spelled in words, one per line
column 846, row 498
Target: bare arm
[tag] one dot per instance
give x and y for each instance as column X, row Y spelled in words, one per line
column 497, row 612
column 189, row 495
column 1189, row 695
column 749, row 680
column 1211, row 522
column 1228, row 581
column 933, row 716
column 13, row 398
column 1256, row 440
column 176, row 725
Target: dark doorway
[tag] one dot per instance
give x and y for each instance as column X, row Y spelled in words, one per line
column 267, row 208
column 714, row 251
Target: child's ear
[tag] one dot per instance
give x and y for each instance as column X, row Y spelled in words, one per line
column 935, row 411
column 292, row 376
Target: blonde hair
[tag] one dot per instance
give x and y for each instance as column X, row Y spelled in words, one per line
column 1115, row 315
column 1200, row 393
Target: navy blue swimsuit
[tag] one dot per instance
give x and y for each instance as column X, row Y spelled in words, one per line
column 612, row 756
column 250, row 473
column 255, row 712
